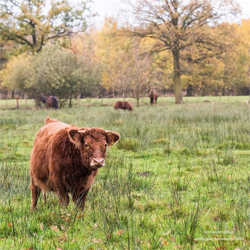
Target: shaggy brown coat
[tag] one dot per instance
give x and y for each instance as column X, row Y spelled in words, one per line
column 51, row 102
column 65, row 159
column 153, row 95
column 123, row 105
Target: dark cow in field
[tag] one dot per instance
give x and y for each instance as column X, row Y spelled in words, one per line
column 66, row 159
column 123, row 105
column 50, row 101
column 153, row 95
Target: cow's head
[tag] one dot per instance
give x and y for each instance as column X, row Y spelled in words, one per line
column 93, row 144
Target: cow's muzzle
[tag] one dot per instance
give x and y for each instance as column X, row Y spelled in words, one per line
column 97, row 163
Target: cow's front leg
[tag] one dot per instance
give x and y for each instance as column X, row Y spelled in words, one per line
column 79, row 199
column 64, row 198
column 58, row 185
column 62, row 192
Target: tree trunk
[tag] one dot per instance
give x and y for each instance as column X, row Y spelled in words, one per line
column 137, row 102
column 177, row 76
column 17, row 103
column 79, row 100
column 114, row 92
column 70, row 102
column 38, row 101
column 26, row 104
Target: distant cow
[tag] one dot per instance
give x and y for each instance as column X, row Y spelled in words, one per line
column 51, row 101
column 123, row 105
column 153, row 94
column 65, row 159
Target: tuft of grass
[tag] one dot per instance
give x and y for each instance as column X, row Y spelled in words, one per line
column 132, row 144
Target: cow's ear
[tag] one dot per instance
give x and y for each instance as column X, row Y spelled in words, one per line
column 76, row 136
column 112, row 137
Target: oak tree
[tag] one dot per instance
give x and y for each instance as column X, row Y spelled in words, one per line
column 178, row 24
column 32, row 23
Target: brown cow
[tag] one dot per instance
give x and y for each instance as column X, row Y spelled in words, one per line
column 51, row 101
column 123, row 105
column 65, row 159
column 153, row 94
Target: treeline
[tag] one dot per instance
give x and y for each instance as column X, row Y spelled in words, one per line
column 179, row 55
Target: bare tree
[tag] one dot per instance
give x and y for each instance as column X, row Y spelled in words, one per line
column 178, row 24
column 139, row 71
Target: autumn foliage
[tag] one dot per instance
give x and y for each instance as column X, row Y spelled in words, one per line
column 192, row 52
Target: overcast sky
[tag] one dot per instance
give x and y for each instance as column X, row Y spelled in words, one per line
column 111, row 8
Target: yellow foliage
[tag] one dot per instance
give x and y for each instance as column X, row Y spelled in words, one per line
column 15, row 74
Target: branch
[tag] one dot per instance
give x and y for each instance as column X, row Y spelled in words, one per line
column 25, row 40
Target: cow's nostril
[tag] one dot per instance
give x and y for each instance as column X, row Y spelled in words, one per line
column 98, row 161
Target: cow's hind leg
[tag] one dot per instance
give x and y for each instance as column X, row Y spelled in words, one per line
column 35, row 194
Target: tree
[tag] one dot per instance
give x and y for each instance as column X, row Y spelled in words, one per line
column 178, row 24
column 126, row 62
column 223, row 73
column 16, row 74
column 83, row 46
column 139, row 76
column 54, row 71
column 111, row 52
column 32, row 23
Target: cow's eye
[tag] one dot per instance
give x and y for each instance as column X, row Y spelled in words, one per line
column 106, row 145
column 86, row 146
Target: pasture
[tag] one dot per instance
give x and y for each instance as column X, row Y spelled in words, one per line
column 179, row 178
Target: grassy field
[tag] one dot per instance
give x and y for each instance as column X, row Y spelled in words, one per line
column 179, row 178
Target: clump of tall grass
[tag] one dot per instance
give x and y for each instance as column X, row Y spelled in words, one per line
column 132, row 144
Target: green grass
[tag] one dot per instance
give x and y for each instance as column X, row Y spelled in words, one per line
column 10, row 104
column 179, row 178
